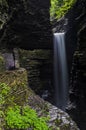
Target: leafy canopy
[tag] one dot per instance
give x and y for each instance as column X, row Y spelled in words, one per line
column 60, row 7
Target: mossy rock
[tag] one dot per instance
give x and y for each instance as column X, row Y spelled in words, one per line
column 2, row 63
column 17, row 80
column 35, row 54
column 39, row 65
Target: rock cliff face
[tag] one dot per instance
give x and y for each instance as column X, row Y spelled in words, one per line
column 39, row 65
column 74, row 24
column 27, row 25
column 78, row 78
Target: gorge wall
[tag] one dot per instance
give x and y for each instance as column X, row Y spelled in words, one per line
column 39, row 65
column 78, row 76
column 26, row 24
column 74, row 24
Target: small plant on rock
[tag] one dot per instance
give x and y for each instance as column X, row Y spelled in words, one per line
column 23, row 118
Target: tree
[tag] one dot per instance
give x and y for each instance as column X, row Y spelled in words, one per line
column 60, row 7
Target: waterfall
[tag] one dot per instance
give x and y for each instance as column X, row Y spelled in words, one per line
column 60, row 71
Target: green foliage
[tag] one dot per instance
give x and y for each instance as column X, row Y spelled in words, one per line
column 23, row 118
column 60, row 7
column 17, row 80
column 4, row 90
column 13, row 116
column 6, row 96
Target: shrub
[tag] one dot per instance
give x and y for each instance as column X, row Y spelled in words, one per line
column 23, row 118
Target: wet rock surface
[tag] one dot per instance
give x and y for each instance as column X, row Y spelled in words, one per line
column 58, row 119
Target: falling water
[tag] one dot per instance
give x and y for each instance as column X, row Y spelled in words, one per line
column 60, row 71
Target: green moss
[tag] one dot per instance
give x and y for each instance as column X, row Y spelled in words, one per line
column 17, row 80
column 35, row 54
column 65, row 127
column 14, row 116
column 2, row 63
column 58, row 122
